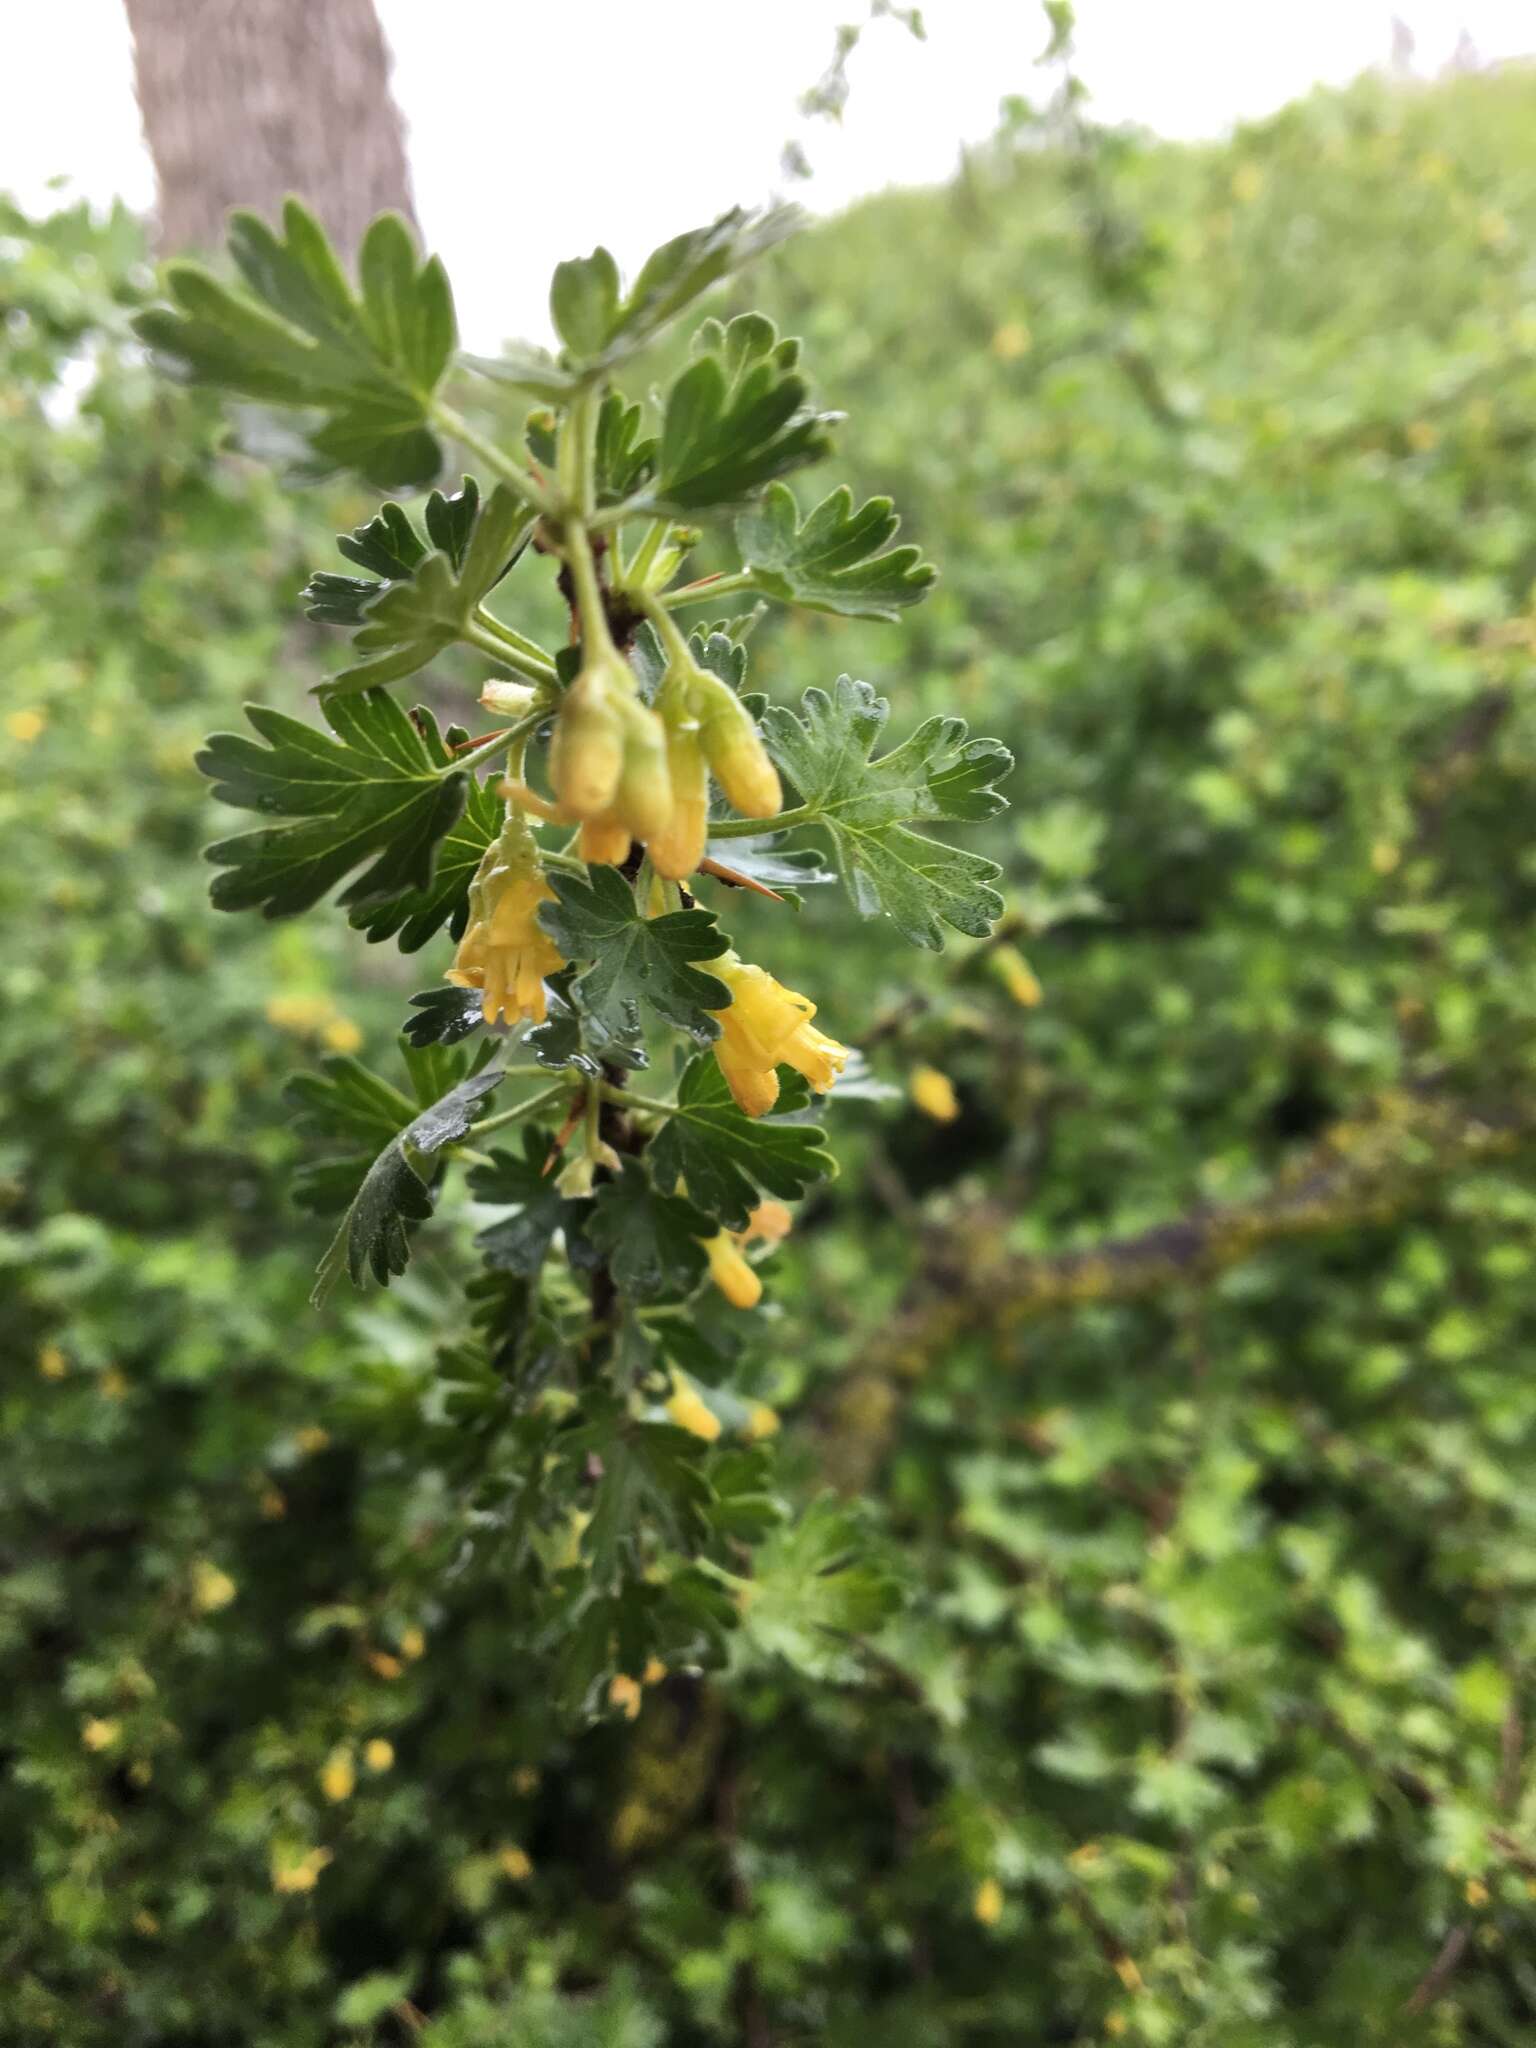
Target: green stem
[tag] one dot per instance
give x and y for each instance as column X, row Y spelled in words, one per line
column 501, row 744
column 519, row 1109
column 510, row 471
column 589, row 597
column 746, row 828
column 627, row 1101
column 518, row 641
column 668, row 631
column 650, row 546
column 706, row 592
column 475, row 635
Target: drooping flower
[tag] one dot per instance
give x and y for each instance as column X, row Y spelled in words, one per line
column 768, row 1026
column 730, row 1271
column 608, row 762
column 505, row 951
column 934, row 1094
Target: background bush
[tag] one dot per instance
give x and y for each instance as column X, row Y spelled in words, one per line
column 1184, row 1376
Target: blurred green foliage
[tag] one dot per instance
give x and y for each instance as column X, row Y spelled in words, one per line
column 1205, row 1716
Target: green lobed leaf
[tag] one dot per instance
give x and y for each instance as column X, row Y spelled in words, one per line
column 428, row 600
column 415, row 914
column 727, row 1159
column 442, row 1016
column 519, row 1243
column 816, row 1588
column 567, row 1039
column 836, row 560
column 351, row 1102
column 635, row 959
column 735, row 419
column 299, row 334
column 383, row 790
column 650, row 1239
column 866, row 806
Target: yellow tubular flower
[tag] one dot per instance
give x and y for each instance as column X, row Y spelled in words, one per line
column 505, row 951
column 645, row 785
column 768, row 1026
column 604, row 841
column 587, row 755
column 730, row 1271
column 676, row 852
column 934, row 1094
column 734, row 750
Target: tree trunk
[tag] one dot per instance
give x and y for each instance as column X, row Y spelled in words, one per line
column 245, row 101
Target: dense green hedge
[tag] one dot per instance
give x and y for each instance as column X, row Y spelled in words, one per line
column 1204, row 1718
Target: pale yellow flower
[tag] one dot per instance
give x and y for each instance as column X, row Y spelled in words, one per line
column 211, row 1587
column 338, row 1774
column 988, row 1902
column 934, row 1094
column 505, row 952
column 378, row 1754
column 730, row 1271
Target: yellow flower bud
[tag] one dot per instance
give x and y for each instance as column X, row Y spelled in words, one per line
column 689, row 1411
column 677, row 851
column 338, row 1775
column 587, row 754
column 1016, row 975
column 604, row 841
column 644, row 799
column 768, row 1026
column 934, row 1094
column 730, row 1271
column 509, row 700
column 624, row 1693
column 734, row 750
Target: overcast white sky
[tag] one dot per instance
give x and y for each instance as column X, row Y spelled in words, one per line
column 511, row 104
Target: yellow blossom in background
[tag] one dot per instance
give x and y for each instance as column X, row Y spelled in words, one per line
column 1016, row 975
column 311, row 1439
column 145, row 1923
column 378, row 1754
column 771, row 1222
column 1247, row 183
column 768, row 1026
column 52, row 1363
column 338, row 1774
column 413, row 1643
column 272, row 1503
column 113, row 1385
column 1127, row 1972
column 934, row 1094
column 1115, row 2025
column 211, row 1587
column 988, row 1902
column 761, row 1421
column 299, row 1872
column 100, row 1734
column 384, row 1665
column 25, row 726
column 624, row 1693
column 1011, row 341
column 303, row 1015
column 342, row 1035
column 1476, row 1892
column 515, row 1863
column 689, row 1411
column 655, row 1671
column 730, row 1271
column 1385, row 856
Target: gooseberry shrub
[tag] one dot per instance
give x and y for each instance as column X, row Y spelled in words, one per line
column 632, row 1100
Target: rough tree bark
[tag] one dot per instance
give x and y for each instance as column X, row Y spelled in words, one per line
column 245, row 101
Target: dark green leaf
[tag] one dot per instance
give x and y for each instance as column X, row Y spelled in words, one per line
column 417, row 913
column 444, row 1015
column 865, row 806
column 623, row 459
column 651, row 1240
column 405, row 623
column 635, row 959
column 520, row 1242
column 652, row 1482
column 383, row 791
column 566, row 1039
column 299, row 335
column 838, row 560
column 374, row 1235
column 727, row 1159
